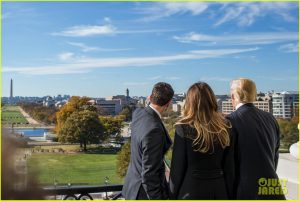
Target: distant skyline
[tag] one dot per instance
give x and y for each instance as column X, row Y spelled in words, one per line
column 99, row 49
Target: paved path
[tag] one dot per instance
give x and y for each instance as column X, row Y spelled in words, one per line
column 288, row 168
column 28, row 117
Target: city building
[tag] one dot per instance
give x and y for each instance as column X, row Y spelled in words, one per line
column 109, row 107
column 179, row 97
column 49, row 102
column 220, row 99
column 141, row 101
column 125, row 100
column 227, row 107
column 178, row 106
column 285, row 104
column 264, row 105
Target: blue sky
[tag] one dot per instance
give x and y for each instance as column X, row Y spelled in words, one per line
column 100, row 49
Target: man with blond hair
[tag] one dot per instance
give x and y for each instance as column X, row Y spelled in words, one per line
column 256, row 139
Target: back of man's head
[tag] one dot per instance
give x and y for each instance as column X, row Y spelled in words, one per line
column 244, row 90
column 161, row 94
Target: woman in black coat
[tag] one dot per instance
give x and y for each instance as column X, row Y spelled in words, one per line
column 202, row 164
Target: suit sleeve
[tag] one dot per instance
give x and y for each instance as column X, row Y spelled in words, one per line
column 152, row 161
column 178, row 164
column 277, row 145
column 229, row 166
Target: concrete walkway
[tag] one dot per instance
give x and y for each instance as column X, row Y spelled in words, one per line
column 28, row 117
column 288, row 169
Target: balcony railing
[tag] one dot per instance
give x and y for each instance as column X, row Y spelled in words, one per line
column 84, row 192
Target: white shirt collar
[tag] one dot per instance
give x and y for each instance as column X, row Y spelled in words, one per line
column 155, row 110
column 239, row 105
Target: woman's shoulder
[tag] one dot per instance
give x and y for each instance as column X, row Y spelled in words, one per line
column 184, row 130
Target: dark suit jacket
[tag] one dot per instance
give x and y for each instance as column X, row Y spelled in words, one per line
column 149, row 143
column 256, row 150
column 198, row 176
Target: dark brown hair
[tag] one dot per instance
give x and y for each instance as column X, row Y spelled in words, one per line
column 161, row 94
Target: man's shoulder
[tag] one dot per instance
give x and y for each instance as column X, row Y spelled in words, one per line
column 141, row 116
column 138, row 110
column 243, row 113
column 268, row 115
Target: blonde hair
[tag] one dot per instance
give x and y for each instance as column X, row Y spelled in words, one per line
column 244, row 90
column 201, row 112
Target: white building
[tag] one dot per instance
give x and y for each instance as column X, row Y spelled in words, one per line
column 178, row 106
column 48, row 102
column 227, row 107
column 285, row 104
column 111, row 107
column 264, row 105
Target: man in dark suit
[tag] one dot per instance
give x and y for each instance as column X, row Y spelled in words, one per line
column 256, row 134
column 150, row 141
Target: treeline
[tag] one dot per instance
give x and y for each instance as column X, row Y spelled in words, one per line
column 40, row 113
column 289, row 133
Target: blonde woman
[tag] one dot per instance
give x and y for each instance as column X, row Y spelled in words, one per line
column 202, row 160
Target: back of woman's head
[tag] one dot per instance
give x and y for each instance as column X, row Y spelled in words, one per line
column 201, row 112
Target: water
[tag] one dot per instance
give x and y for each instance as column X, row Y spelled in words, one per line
column 31, row 132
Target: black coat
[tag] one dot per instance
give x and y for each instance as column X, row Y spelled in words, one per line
column 149, row 143
column 197, row 176
column 256, row 150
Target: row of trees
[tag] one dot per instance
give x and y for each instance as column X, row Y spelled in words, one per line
column 79, row 122
column 288, row 129
column 46, row 115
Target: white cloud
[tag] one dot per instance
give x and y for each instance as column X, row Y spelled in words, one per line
column 83, row 47
column 65, row 56
column 86, row 48
column 241, row 39
column 103, row 30
column 81, row 65
column 245, row 13
column 87, row 30
column 289, row 48
column 161, row 10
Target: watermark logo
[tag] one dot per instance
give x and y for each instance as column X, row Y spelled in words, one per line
column 272, row 186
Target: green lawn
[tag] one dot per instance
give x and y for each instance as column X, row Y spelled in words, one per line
column 11, row 114
column 74, row 168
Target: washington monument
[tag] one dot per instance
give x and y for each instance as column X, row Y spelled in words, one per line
column 11, row 89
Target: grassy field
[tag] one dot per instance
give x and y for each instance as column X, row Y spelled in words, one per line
column 74, row 168
column 11, row 114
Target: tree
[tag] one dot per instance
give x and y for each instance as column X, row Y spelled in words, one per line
column 123, row 159
column 40, row 113
column 112, row 126
column 127, row 112
column 289, row 133
column 75, row 104
column 83, row 127
column 169, row 123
